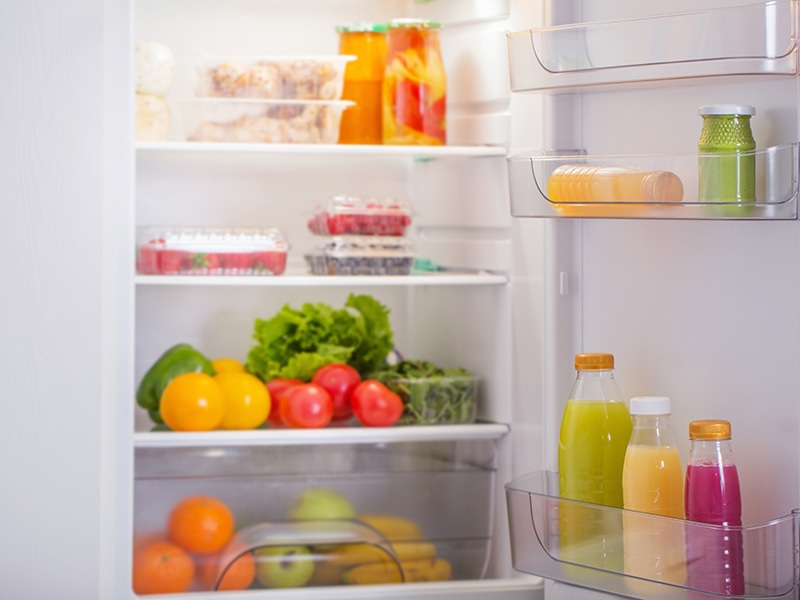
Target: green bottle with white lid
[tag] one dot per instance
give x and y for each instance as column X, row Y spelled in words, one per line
column 728, row 173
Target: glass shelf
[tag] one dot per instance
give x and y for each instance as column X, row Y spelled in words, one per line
column 776, row 187
column 768, row 549
column 754, row 39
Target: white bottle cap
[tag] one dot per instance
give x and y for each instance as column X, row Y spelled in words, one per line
column 727, row 109
column 650, row 405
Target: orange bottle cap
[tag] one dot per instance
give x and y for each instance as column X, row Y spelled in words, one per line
column 709, row 430
column 594, row 362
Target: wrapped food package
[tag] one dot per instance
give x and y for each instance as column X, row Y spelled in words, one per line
column 155, row 68
column 152, row 118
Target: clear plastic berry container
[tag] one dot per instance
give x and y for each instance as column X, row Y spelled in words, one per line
column 210, row 251
column 362, row 255
column 351, row 215
column 263, row 121
column 271, row 77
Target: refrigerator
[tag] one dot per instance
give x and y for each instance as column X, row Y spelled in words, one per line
column 694, row 305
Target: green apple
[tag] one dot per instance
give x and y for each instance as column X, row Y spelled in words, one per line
column 321, row 504
column 284, row 566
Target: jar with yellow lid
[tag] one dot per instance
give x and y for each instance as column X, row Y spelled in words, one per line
column 414, row 85
column 363, row 79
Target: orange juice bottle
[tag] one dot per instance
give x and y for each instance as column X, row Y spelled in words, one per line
column 652, row 482
column 595, row 430
column 363, row 82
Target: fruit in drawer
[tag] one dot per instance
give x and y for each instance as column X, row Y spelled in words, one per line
column 306, row 406
column 237, row 576
column 430, row 569
column 392, row 527
column 339, row 380
column 247, row 401
column 200, row 524
column 193, row 402
column 350, row 555
column 320, row 504
column 161, row 567
column 284, row 566
column 177, row 360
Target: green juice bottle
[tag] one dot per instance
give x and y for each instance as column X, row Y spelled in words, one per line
column 595, row 430
column 728, row 173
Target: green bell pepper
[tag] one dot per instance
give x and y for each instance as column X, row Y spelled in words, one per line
column 180, row 359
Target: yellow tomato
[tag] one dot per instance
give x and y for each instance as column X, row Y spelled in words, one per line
column 227, row 365
column 247, row 401
column 192, row 402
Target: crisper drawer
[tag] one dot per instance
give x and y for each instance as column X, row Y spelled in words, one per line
column 618, row 551
column 318, row 515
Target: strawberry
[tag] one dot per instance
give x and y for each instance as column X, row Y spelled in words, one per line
column 147, row 260
column 242, row 262
column 212, row 262
column 169, row 262
column 272, row 261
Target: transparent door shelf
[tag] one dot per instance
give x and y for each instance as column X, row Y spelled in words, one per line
column 776, row 187
column 754, row 39
column 768, row 549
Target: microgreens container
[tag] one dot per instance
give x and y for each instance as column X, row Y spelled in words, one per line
column 436, row 400
column 210, row 251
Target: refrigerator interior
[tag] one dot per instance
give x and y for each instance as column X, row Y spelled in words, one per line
column 451, row 482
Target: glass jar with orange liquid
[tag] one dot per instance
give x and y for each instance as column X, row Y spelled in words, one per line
column 363, row 80
column 414, row 85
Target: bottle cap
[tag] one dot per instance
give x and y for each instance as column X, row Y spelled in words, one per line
column 650, row 405
column 727, row 109
column 662, row 186
column 710, row 430
column 361, row 28
column 594, row 362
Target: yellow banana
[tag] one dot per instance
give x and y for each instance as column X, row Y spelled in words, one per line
column 349, row 555
column 392, row 527
column 326, row 574
column 431, row 569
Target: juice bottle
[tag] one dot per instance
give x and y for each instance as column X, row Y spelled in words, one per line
column 714, row 556
column 363, row 82
column 652, row 482
column 595, row 430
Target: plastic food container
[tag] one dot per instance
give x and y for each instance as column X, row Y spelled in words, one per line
column 362, row 255
column 436, row 400
column 210, row 251
column 263, row 121
column 272, row 77
column 348, row 215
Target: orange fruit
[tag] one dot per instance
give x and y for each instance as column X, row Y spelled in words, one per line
column 200, row 524
column 247, row 401
column 160, row 567
column 227, row 365
column 192, row 402
column 238, row 576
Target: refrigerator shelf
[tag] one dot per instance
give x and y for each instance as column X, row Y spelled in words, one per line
column 771, row 564
column 776, row 187
column 329, row 435
column 753, row 39
column 433, row 278
column 346, row 150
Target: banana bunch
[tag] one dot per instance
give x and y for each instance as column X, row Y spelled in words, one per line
column 365, row 564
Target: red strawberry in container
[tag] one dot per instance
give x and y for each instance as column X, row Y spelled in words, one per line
column 169, row 262
column 269, row 260
column 147, row 259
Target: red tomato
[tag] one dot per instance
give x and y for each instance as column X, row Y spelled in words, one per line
column 339, row 380
column 306, row 406
column 375, row 405
column 276, row 388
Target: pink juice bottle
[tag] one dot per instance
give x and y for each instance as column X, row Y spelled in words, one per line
column 714, row 556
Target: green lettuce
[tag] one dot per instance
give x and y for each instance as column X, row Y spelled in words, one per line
column 296, row 342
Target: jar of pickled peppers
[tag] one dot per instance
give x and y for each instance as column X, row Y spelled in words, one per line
column 414, row 85
column 363, row 80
